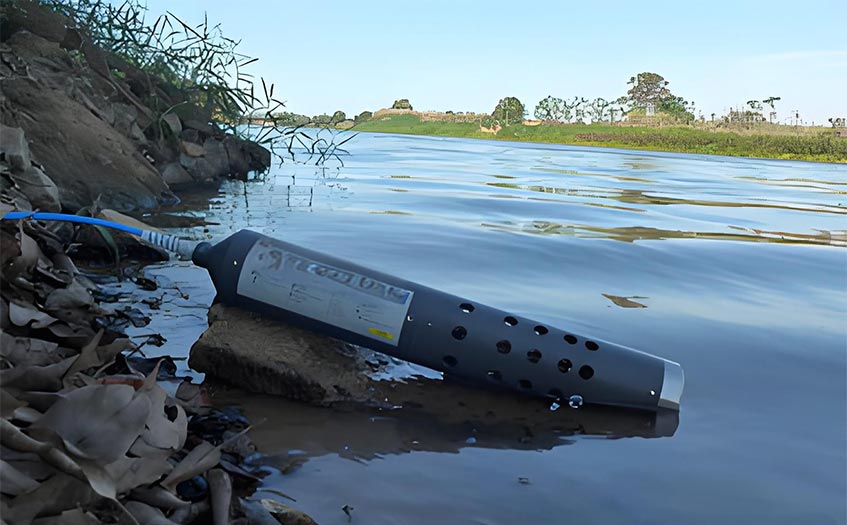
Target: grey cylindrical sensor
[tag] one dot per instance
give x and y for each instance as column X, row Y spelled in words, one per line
column 464, row 339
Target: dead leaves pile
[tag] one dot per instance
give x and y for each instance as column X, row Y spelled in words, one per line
column 86, row 438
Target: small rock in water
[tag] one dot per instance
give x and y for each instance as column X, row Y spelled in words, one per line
column 575, row 401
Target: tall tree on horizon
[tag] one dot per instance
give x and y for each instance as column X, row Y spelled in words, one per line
column 509, row 111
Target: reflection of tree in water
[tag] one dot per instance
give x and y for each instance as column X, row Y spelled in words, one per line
column 637, row 233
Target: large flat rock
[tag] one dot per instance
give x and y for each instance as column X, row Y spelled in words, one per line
column 264, row 356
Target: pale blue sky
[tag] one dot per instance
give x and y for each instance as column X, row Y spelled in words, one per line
column 466, row 55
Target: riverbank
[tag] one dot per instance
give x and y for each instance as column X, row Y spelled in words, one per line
column 681, row 139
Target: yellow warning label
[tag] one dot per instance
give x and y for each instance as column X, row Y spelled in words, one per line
column 381, row 333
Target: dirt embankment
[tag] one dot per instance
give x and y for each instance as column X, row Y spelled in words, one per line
column 85, row 116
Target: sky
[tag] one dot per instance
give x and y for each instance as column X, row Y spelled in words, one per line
column 466, row 55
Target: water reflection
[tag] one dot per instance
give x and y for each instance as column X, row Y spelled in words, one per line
column 435, row 416
column 637, row 233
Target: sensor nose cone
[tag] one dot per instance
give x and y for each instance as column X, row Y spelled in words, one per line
column 672, row 386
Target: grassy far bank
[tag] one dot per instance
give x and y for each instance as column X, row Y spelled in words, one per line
column 681, row 139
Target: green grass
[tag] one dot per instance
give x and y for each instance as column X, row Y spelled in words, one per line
column 820, row 148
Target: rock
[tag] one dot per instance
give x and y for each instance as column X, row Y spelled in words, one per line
column 38, row 188
column 15, row 148
column 173, row 122
column 203, row 127
column 260, row 157
column 175, row 175
column 191, row 149
column 215, row 155
column 239, row 158
column 125, row 120
column 261, row 355
column 191, row 135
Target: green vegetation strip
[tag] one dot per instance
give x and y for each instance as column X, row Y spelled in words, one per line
column 824, row 147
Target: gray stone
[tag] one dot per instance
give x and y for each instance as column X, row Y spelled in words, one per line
column 15, row 148
column 41, row 191
column 174, row 175
column 260, row 355
column 217, row 158
column 191, row 149
column 203, row 127
column 173, row 122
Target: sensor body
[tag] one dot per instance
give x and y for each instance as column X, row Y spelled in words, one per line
column 462, row 338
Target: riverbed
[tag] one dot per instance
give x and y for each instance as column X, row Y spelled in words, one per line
column 735, row 268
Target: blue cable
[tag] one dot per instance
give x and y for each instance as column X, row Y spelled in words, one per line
column 63, row 217
column 169, row 242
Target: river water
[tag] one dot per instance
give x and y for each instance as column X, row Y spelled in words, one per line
column 735, row 268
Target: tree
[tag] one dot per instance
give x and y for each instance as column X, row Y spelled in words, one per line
column 509, row 111
column 755, row 110
column 363, row 117
column 573, row 109
column 648, row 89
column 338, row 116
column 598, row 110
column 770, row 102
column 403, row 103
column 550, row 109
column 677, row 107
column 651, row 90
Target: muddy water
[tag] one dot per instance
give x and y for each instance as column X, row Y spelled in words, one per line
column 735, row 268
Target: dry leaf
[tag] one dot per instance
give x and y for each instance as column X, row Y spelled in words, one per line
column 190, row 513
column 12, row 438
column 71, row 297
column 256, row 513
column 26, row 415
column 25, row 262
column 625, row 302
column 61, row 262
column 87, row 357
column 40, row 401
column 201, row 458
column 57, row 277
column 5, row 322
column 286, row 513
column 191, row 396
column 146, row 514
column 9, row 403
column 98, row 422
column 78, row 333
column 59, row 493
column 29, row 378
column 220, row 487
column 13, row 481
column 28, row 463
column 70, row 517
column 21, row 351
column 158, row 497
column 124, row 474
column 21, row 314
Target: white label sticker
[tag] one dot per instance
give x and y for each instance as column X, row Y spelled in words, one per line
column 342, row 298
